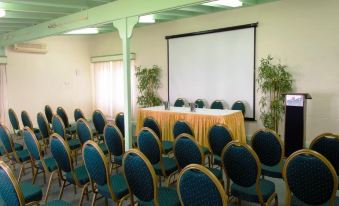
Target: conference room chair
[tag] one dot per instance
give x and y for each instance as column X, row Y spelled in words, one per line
column 99, row 121
column 142, row 181
column 85, row 134
column 59, row 128
column 151, row 123
column 13, row 151
column 242, row 166
column 27, row 122
column 13, row 118
column 115, row 144
column 310, row 179
column 78, row 114
column 70, row 129
column 187, row 151
column 45, row 130
column 217, row 104
column 41, row 164
column 200, row 103
column 239, row 105
column 76, row 176
column 112, row 187
column 17, row 146
column 218, row 137
column 269, row 148
column 150, row 145
column 180, row 102
column 327, row 144
column 49, row 113
column 197, row 186
column 120, row 123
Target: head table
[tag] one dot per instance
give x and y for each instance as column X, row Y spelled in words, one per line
column 201, row 120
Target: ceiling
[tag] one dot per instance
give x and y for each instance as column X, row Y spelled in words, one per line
column 25, row 13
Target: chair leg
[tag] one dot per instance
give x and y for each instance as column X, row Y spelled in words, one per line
column 106, row 201
column 22, row 168
column 49, row 185
column 239, row 202
column 75, row 189
column 35, row 173
column 62, row 189
column 94, row 198
column 82, row 194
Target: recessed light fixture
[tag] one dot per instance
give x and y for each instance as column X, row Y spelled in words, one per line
column 84, row 31
column 2, row 13
column 229, row 3
column 147, row 19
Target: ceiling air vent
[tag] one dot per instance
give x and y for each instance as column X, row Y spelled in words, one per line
column 30, row 48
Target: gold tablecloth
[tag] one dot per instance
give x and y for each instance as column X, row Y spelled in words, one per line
column 201, row 121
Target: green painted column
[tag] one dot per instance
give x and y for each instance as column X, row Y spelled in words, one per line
column 3, row 58
column 125, row 27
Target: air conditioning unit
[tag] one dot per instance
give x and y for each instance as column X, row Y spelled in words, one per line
column 30, row 48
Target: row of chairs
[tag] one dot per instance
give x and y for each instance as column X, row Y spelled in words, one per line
column 217, row 104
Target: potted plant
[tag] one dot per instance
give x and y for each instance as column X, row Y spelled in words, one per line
column 273, row 80
column 148, row 83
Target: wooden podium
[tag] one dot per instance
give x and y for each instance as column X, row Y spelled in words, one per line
column 295, row 120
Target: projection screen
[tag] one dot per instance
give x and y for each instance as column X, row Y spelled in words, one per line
column 214, row 65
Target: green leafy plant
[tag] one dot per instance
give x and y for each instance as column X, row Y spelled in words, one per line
column 148, row 84
column 273, row 80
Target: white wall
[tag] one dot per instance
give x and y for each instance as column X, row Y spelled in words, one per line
column 35, row 80
column 302, row 33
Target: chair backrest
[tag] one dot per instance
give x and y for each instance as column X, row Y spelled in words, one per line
column 114, row 140
column 44, row 127
column 9, row 188
column 84, row 131
column 310, row 177
column 180, row 127
column 198, row 186
column 49, row 113
column 61, row 153
column 217, row 104
column 120, row 122
column 200, row 103
column 63, row 115
column 78, row 114
column 58, row 126
column 99, row 121
column 241, row 164
column 187, row 151
column 150, row 145
column 180, row 102
column 13, row 118
column 32, row 144
column 26, row 120
column 268, row 146
column 140, row 176
column 239, row 105
column 6, row 139
column 218, row 137
column 151, row 123
column 327, row 144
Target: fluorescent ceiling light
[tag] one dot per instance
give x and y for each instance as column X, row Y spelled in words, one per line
column 229, row 3
column 2, row 13
column 84, row 31
column 147, row 19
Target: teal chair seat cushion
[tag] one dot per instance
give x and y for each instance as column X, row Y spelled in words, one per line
column 81, row 174
column 104, row 148
column 217, row 160
column 57, row 203
column 118, row 184
column 296, row 202
column 31, row 192
column 274, row 171
column 205, row 150
column 50, row 163
column 71, row 129
column 18, row 146
column 23, row 155
column 117, row 160
column 166, row 196
column 217, row 172
column 170, row 166
column 74, row 144
column 167, row 146
column 250, row 194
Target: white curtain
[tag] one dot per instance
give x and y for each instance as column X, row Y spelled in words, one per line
column 3, row 95
column 108, row 87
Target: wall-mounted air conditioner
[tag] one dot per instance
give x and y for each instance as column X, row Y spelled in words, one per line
column 30, row 48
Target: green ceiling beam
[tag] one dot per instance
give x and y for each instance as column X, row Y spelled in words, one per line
column 54, row 3
column 198, row 9
column 24, row 15
column 101, row 14
column 20, row 21
column 36, row 9
column 178, row 14
column 13, row 25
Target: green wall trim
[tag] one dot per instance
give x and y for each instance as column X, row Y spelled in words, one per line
column 3, row 60
column 106, row 58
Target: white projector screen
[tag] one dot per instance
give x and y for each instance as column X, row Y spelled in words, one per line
column 214, row 65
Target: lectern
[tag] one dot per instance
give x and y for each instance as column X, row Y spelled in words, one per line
column 295, row 120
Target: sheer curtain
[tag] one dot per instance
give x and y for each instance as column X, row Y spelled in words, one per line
column 3, row 94
column 109, row 87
